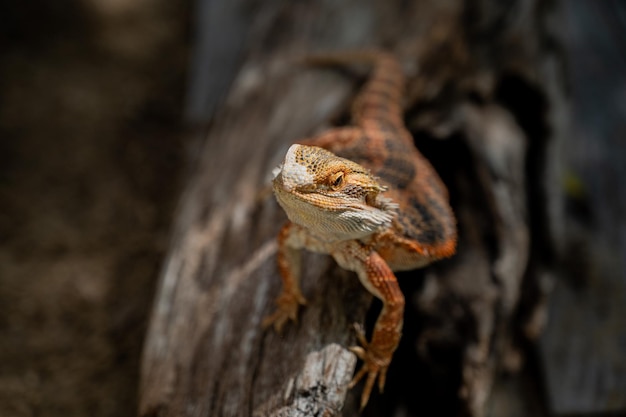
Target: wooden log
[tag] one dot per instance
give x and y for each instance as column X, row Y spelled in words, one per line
column 206, row 352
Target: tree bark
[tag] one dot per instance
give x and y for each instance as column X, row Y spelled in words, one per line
column 482, row 77
column 583, row 347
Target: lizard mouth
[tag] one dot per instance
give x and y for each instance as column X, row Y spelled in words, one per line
column 331, row 217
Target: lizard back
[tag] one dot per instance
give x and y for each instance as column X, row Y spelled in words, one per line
column 382, row 144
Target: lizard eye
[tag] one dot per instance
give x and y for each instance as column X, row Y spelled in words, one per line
column 336, row 180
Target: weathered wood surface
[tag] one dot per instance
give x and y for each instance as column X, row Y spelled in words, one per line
column 584, row 346
column 473, row 81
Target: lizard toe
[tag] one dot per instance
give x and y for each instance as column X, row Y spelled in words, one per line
column 288, row 305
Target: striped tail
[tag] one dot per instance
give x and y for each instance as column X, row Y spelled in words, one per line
column 380, row 99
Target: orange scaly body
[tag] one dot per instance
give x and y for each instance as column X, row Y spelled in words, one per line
column 366, row 196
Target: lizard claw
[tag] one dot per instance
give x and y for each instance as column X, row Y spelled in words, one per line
column 375, row 364
column 288, row 304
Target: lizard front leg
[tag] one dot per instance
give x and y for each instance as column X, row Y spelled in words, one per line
column 378, row 279
column 291, row 298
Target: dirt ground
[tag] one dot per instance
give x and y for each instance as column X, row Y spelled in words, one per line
column 91, row 150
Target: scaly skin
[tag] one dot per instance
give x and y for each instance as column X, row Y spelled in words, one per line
column 367, row 197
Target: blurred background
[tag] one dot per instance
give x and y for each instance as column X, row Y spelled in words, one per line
column 102, row 104
column 91, row 143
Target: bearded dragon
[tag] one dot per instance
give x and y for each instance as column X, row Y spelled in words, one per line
column 366, row 196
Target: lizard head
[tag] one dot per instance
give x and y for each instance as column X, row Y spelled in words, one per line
column 332, row 197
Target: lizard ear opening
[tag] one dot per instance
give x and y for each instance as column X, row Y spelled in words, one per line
column 374, row 199
column 370, row 198
column 336, row 180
